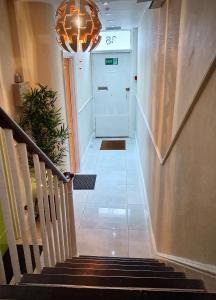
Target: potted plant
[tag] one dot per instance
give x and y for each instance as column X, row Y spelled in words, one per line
column 42, row 121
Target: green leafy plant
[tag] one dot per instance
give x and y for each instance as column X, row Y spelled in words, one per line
column 42, row 121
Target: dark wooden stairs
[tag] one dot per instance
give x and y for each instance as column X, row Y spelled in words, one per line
column 103, row 278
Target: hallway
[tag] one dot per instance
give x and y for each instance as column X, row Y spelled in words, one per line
column 112, row 219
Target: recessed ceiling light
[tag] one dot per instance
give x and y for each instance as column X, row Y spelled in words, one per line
column 110, row 21
column 106, row 3
column 108, row 14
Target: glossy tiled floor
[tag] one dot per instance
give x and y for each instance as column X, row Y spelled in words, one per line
column 112, row 219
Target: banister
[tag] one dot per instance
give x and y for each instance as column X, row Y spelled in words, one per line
column 20, row 136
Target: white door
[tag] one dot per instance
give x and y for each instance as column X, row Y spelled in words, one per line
column 111, row 85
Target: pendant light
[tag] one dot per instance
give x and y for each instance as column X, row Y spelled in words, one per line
column 78, row 25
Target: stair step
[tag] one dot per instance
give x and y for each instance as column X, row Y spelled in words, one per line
column 114, row 261
column 112, row 281
column 68, row 293
column 117, row 258
column 67, row 271
column 114, row 266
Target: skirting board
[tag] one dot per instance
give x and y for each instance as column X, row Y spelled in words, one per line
column 146, row 198
column 190, row 263
column 181, row 260
column 86, row 151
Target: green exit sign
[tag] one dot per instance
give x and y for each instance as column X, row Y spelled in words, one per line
column 111, row 61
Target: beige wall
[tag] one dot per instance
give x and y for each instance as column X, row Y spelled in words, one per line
column 8, row 66
column 28, row 45
column 84, row 101
column 177, row 44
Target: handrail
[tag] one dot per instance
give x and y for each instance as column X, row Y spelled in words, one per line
column 20, row 136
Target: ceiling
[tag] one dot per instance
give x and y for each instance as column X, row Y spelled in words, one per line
column 123, row 13
column 115, row 13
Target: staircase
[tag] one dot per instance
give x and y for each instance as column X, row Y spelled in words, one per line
column 53, row 270
column 88, row 277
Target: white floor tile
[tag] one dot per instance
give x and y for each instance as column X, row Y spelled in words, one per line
column 104, row 217
column 112, row 219
column 137, row 217
column 139, row 244
column 103, row 242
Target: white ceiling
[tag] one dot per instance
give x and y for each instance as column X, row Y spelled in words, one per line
column 124, row 13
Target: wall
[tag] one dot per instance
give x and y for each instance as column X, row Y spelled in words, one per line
column 28, row 45
column 84, row 101
column 8, row 66
column 176, row 46
column 41, row 57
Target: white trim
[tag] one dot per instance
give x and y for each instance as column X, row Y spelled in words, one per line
column 181, row 260
column 190, row 263
column 146, row 198
column 149, row 130
column 86, row 150
column 85, row 104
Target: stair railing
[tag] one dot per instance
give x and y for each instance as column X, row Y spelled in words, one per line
column 55, row 228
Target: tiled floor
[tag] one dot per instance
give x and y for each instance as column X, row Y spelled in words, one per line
column 112, row 219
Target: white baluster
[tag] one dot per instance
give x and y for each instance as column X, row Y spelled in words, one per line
column 6, row 211
column 47, row 214
column 64, row 220
column 24, row 167
column 39, row 191
column 18, row 194
column 69, row 232
column 53, row 214
column 2, row 271
column 59, row 217
column 72, row 218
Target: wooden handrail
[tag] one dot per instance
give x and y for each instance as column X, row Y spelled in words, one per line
column 21, row 137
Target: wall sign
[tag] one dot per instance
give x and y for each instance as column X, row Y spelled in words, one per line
column 111, row 61
column 114, row 40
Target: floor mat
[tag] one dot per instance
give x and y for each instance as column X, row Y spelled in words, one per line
column 113, row 145
column 84, row 182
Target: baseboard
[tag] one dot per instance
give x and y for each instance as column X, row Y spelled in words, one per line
column 86, row 150
column 200, row 267
column 146, row 198
column 189, row 263
column 85, row 104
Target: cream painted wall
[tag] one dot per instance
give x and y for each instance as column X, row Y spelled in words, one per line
column 8, row 66
column 181, row 193
column 31, row 49
column 84, row 101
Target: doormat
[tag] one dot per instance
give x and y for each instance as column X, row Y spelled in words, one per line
column 84, row 182
column 8, row 265
column 113, row 145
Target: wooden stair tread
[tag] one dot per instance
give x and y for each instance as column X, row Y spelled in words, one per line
column 113, row 281
column 113, row 262
column 68, row 293
column 113, row 272
column 114, row 266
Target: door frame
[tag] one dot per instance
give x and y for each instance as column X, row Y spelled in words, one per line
column 71, row 111
column 130, row 117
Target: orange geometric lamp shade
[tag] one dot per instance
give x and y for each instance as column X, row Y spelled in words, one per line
column 78, row 25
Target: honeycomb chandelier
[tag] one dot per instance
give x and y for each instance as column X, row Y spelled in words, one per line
column 78, row 25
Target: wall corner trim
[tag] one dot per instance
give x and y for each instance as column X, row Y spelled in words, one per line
column 150, row 132
column 86, row 150
column 85, row 104
column 201, row 267
column 154, row 246
column 201, row 88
